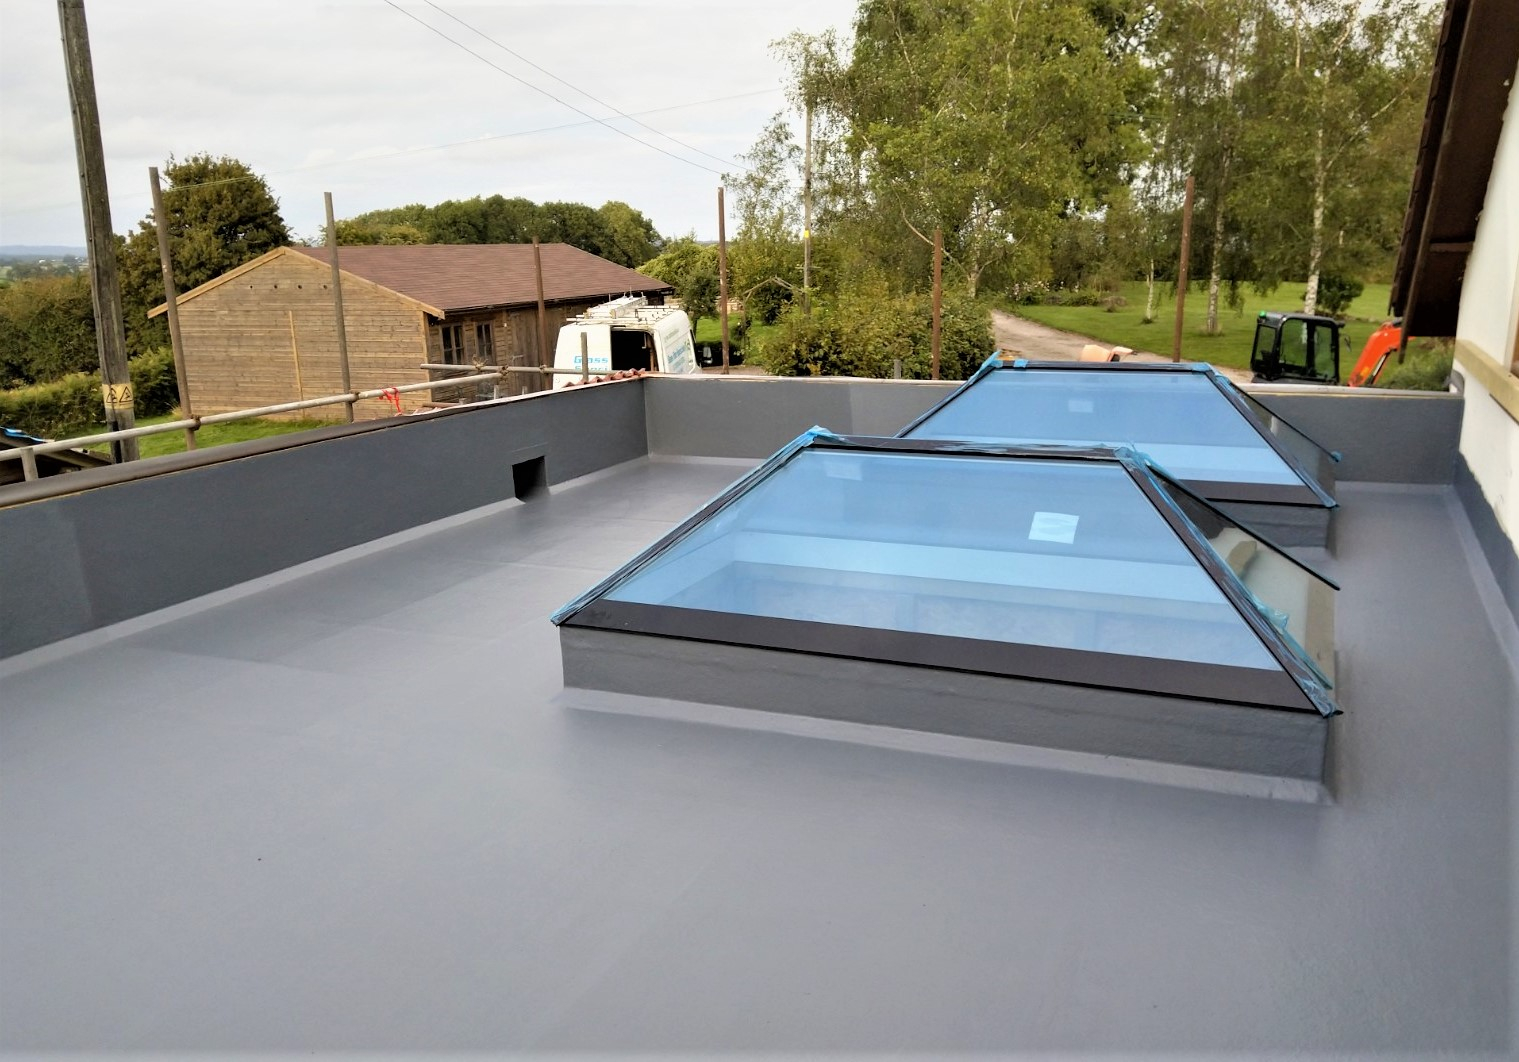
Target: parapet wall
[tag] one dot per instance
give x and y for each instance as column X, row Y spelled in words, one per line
column 94, row 548
column 89, row 549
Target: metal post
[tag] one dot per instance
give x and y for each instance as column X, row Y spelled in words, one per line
column 585, row 358
column 171, row 305
column 28, row 462
column 105, row 286
column 722, row 275
column 1181, row 269
column 337, row 301
column 938, row 297
column 543, row 326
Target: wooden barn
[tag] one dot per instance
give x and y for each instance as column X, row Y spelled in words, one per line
column 266, row 331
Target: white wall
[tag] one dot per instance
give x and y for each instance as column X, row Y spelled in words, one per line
column 1488, row 318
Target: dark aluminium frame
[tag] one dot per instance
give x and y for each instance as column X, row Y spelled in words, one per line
column 1310, row 493
column 1297, row 688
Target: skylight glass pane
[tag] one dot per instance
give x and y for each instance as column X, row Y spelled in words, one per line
column 1178, row 418
column 1295, row 600
column 1060, row 553
column 1299, row 445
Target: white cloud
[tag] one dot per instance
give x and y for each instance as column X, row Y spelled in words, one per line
column 310, row 94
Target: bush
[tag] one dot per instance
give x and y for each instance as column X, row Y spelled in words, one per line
column 1337, row 292
column 73, row 405
column 1426, row 367
column 861, row 333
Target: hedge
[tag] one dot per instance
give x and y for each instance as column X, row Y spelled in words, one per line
column 73, row 405
column 861, row 333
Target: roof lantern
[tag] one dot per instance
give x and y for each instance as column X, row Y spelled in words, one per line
column 1072, row 597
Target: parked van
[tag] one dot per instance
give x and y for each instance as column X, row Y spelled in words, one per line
column 626, row 333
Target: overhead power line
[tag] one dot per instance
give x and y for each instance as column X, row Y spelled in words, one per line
column 536, row 88
column 408, row 151
column 576, row 88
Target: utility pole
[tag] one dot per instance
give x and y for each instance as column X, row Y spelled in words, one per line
column 938, row 296
column 807, row 212
column 722, row 274
column 543, row 327
column 171, row 305
column 105, row 287
column 1181, row 268
column 337, row 302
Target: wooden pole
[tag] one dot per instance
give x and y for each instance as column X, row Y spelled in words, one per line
column 105, row 286
column 543, row 325
column 171, row 305
column 295, row 355
column 1181, row 268
column 807, row 214
column 722, row 275
column 337, row 301
column 938, row 296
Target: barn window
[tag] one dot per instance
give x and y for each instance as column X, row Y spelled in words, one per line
column 453, row 345
column 485, row 343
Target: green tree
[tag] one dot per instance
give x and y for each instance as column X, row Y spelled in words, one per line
column 1205, row 52
column 691, row 268
column 47, row 329
column 356, row 233
column 631, row 238
column 987, row 120
column 765, row 255
column 220, row 214
column 1343, row 81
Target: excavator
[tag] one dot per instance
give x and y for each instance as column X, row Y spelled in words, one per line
column 1306, row 348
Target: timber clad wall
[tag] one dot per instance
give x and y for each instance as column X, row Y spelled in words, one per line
column 516, row 341
column 244, row 339
column 265, row 333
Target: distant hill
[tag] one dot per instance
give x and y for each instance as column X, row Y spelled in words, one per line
column 25, row 250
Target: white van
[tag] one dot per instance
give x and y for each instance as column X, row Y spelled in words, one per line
column 626, row 333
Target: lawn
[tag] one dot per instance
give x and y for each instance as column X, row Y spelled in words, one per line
column 1125, row 327
column 173, row 442
column 709, row 331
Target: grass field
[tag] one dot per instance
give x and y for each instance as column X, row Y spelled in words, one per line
column 1125, row 326
column 173, row 442
column 709, row 331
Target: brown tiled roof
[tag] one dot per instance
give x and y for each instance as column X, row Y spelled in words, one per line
column 457, row 277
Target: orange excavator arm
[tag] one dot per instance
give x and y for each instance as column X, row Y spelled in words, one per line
column 1374, row 355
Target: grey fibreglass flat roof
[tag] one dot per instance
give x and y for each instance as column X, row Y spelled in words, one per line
column 353, row 811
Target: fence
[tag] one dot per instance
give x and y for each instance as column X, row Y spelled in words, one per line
column 27, row 455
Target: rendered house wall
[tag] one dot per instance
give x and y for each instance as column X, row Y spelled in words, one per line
column 1487, row 328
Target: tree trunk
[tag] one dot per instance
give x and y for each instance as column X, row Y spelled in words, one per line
column 1316, row 244
column 1215, row 269
column 1150, row 293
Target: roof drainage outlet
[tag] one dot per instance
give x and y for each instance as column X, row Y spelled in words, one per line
column 1073, row 598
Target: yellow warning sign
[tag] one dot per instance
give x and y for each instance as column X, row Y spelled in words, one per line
column 117, row 396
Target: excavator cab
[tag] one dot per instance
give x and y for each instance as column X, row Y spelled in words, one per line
column 1296, row 346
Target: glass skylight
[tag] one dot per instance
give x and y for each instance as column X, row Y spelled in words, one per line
column 1083, row 554
column 1187, row 418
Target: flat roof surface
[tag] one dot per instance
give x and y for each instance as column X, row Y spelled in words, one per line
column 353, row 811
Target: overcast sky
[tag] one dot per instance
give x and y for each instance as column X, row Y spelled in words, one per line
column 315, row 94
